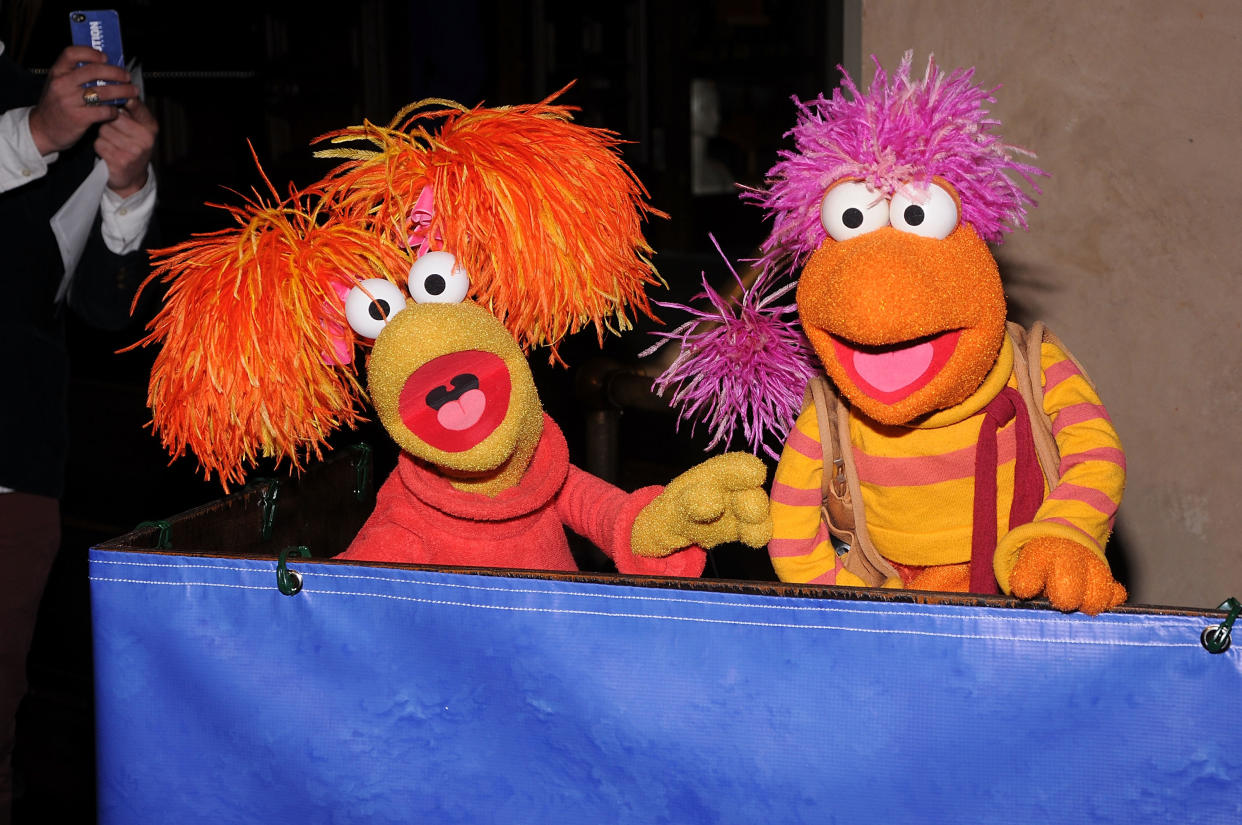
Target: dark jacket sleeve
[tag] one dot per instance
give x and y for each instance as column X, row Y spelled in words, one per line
column 104, row 284
column 32, row 323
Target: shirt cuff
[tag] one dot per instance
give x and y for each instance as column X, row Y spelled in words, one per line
column 20, row 161
column 124, row 221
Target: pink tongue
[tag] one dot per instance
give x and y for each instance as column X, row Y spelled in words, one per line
column 462, row 413
column 891, row 371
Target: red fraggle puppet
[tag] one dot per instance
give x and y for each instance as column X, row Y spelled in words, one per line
column 464, row 238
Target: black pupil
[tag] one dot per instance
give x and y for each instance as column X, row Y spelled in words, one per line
column 434, row 284
column 379, row 309
column 852, row 217
column 913, row 214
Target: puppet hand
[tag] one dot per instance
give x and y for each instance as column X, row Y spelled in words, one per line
column 717, row 501
column 1069, row 574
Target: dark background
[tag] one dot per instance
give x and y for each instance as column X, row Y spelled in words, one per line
column 222, row 75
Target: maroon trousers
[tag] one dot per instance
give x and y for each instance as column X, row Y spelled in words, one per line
column 29, row 539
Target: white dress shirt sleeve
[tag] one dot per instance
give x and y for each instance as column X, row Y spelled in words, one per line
column 20, row 161
column 124, row 221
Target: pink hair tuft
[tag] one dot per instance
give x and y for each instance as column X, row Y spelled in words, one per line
column 902, row 133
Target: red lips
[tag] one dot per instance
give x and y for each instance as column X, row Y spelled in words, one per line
column 891, row 373
column 455, row 401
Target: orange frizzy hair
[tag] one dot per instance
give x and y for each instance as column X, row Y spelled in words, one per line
column 249, row 329
column 543, row 213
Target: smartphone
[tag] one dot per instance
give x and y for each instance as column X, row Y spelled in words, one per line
column 100, row 29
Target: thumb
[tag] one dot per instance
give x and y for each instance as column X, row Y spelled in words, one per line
column 138, row 110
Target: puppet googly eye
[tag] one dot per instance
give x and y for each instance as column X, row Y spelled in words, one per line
column 851, row 208
column 435, row 278
column 932, row 214
column 370, row 306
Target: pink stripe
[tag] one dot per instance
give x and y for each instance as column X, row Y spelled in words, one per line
column 787, row 548
column 1077, row 414
column 795, row 496
column 1110, row 454
column 1087, row 495
column 914, row 471
column 828, row 578
column 1058, row 372
column 804, row 444
column 1068, row 523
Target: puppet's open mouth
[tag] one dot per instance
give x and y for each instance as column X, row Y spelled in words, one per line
column 891, row 372
column 455, row 401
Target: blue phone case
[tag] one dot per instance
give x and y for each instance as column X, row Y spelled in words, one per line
column 100, row 29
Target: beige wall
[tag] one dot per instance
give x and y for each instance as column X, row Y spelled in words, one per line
column 1134, row 255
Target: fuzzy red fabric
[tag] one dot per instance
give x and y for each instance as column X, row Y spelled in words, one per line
column 1028, row 485
column 420, row 518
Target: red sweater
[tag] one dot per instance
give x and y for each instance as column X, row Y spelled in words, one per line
column 420, row 518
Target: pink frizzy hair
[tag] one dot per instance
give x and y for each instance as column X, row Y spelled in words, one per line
column 750, row 362
column 902, row 133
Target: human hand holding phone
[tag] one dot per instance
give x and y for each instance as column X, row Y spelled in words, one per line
column 64, row 113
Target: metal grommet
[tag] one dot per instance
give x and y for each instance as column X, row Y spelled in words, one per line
column 1218, row 638
column 292, row 583
column 289, row 582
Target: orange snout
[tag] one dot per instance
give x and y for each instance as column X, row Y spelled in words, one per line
column 904, row 325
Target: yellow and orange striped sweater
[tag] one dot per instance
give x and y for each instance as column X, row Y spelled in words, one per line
column 917, row 482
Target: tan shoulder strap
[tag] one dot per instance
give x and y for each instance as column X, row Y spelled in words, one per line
column 833, row 489
column 1027, row 368
column 842, row 505
column 1046, row 335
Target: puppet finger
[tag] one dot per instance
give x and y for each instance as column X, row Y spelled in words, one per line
column 751, row 506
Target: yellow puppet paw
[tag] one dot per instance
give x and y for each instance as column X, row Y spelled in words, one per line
column 718, row 501
column 1069, row 574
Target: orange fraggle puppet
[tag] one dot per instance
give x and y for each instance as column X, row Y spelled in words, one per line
column 887, row 204
column 514, row 227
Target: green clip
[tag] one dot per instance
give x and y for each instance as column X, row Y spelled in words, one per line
column 1216, row 639
column 362, row 470
column 164, row 540
column 290, row 581
column 267, row 504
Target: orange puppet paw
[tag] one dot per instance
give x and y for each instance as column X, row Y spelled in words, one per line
column 945, row 578
column 1069, row 574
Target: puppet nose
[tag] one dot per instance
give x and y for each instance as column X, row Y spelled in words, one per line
column 890, row 286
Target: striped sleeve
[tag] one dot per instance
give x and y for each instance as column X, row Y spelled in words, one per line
column 800, row 549
column 1092, row 473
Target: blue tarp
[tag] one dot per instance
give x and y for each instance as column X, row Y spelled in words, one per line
column 383, row 695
